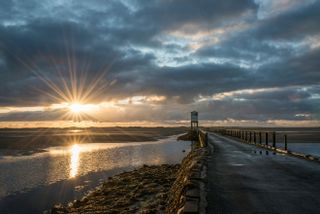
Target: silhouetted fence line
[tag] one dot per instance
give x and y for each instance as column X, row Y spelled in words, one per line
column 267, row 139
column 256, row 137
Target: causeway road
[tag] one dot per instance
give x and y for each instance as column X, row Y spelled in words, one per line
column 246, row 179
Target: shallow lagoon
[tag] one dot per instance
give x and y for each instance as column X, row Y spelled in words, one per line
column 61, row 174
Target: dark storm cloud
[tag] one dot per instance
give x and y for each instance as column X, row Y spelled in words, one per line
column 100, row 36
column 129, row 38
column 278, row 37
column 296, row 24
column 243, row 46
column 33, row 116
column 186, row 82
column 276, row 49
column 173, row 14
column 300, row 70
column 291, row 103
column 259, row 110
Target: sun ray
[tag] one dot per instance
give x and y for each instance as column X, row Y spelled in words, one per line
column 68, row 82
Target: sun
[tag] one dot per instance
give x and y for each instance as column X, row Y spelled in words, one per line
column 77, row 108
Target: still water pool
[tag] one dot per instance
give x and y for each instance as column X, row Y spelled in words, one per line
column 61, row 174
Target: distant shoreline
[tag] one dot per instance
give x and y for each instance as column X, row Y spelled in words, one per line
column 30, row 141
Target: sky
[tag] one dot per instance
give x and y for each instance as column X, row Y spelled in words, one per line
column 143, row 62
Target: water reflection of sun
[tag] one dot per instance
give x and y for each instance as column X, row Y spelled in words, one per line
column 74, row 163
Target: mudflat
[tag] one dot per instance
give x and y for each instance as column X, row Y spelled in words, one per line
column 29, row 141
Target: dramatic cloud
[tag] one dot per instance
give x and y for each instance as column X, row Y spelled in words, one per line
column 250, row 60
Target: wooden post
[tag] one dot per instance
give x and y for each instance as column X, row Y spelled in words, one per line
column 254, row 137
column 285, row 142
column 260, row 138
column 274, row 139
column 207, row 138
column 250, row 137
column 267, row 140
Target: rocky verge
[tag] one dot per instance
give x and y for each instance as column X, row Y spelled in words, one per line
column 144, row 190
column 188, row 194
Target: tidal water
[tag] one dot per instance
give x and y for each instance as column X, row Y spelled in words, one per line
column 304, row 148
column 305, row 142
column 31, row 184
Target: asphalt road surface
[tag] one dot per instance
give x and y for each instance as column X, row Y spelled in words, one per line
column 247, row 179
